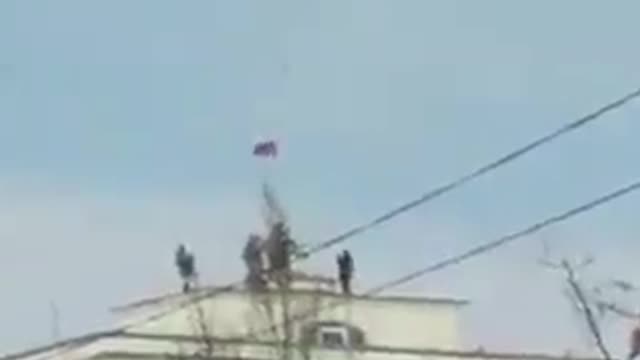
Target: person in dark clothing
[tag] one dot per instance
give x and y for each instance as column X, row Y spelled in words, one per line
column 278, row 248
column 252, row 256
column 185, row 262
column 281, row 250
column 345, row 271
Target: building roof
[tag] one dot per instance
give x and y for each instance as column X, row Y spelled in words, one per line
column 61, row 348
column 61, row 345
column 213, row 290
column 157, row 307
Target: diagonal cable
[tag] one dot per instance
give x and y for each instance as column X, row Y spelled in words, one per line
column 472, row 253
column 437, row 192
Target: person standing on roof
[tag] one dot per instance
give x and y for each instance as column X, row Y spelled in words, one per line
column 252, row 256
column 280, row 249
column 345, row 271
column 185, row 261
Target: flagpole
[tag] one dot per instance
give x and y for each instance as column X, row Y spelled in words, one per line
column 267, row 151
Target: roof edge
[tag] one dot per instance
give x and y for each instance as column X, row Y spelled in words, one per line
column 467, row 354
column 216, row 290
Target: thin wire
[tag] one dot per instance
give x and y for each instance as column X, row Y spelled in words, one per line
column 433, row 194
column 191, row 298
column 437, row 192
column 473, row 252
column 479, row 250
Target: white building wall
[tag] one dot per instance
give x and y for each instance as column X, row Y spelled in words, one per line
column 127, row 349
column 396, row 329
column 404, row 324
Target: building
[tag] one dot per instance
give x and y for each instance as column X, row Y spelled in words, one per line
column 309, row 321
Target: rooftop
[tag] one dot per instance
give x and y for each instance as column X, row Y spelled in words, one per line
column 62, row 348
column 205, row 292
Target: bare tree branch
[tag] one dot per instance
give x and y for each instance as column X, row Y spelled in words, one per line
column 579, row 295
column 586, row 309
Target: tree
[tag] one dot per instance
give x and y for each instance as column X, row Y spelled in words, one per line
column 582, row 303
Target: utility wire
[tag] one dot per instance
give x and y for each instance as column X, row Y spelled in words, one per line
column 479, row 250
column 437, row 192
column 475, row 251
column 431, row 195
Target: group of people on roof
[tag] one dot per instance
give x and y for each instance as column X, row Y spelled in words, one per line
column 278, row 249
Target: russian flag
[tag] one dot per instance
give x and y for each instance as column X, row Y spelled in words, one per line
column 266, row 149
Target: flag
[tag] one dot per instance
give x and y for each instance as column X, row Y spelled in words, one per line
column 266, row 149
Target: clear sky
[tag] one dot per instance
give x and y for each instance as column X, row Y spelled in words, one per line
column 127, row 126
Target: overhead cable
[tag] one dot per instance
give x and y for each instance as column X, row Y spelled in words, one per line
column 431, row 195
column 473, row 252
column 441, row 190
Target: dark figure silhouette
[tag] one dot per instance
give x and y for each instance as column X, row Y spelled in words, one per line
column 280, row 249
column 252, row 256
column 345, row 271
column 185, row 262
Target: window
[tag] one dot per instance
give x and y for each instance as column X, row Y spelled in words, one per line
column 334, row 336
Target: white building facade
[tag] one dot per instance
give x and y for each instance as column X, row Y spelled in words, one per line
column 304, row 323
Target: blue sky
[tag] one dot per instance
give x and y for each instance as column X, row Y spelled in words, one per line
column 126, row 127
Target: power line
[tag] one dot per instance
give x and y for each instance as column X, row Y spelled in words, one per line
column 431, row 195
column 476, row 251
column 437, row 192
column 479, row 250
